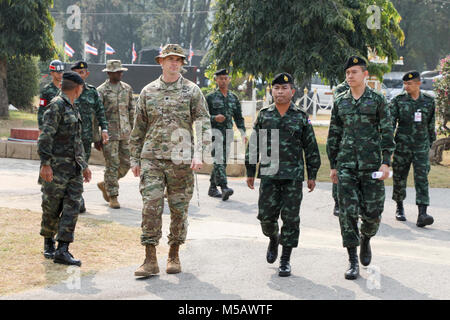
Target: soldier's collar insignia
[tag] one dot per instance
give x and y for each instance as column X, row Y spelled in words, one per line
column 355, row 60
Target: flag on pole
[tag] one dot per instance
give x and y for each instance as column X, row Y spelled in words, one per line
column 109, row 49
column 134, row 54
column 160, row 49
column 90, row 49
column 68, row 50
column 191, row 53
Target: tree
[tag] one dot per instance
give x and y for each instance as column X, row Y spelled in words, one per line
column 426, row 24
column 23, row 81
column 302, row 37
column 26, row 30
column 442, row 88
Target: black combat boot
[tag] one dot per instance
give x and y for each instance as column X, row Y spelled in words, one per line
column 213, row 192
column 272, row 250
column 336, row 209
column 226, row 192
column 353, row 270
column 400, row 212
column 423, row 219
column 365, row 254
column 285, row 268
column 63, row 255
column 49, row 248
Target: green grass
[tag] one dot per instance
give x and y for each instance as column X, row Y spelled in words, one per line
column 17, row 119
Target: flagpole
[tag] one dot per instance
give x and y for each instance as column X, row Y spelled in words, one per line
column 84, row 53
column 64, row 46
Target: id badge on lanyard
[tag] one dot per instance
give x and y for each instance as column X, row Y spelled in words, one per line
column 418, row 116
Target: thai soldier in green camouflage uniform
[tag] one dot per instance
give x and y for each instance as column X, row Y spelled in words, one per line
column 223, row 106
column 89, row 104
column 51, row 90
column 63, row 166
column 360, row 139
column 413, row 113
column 342, row 87
column 117, row 99
column 163, row 154
column 289, row 134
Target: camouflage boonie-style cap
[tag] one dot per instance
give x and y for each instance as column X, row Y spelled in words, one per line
column 114, row 66
column 171, row 50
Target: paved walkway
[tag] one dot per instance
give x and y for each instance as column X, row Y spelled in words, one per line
column 224, row 257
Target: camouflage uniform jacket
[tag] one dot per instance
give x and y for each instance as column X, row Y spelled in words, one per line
column 228, row 106
column 119, row 109
column 360, row 131
column 60, row 139
column 411, row 134
column 163, row 108
column 296, row 134
column 47, row 94
column 89, row 103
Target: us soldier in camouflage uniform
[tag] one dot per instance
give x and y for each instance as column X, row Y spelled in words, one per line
column 360, row 139
column 161, row 154
column 413, row 113
column 117, row 99
column 342, row 87
column 63, row 166
column 89, row 104
column 51, row 90
column 223, row 106
column 289, row 134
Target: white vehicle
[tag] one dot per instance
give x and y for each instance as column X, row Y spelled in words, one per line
column 324, row 91
column 393, row 84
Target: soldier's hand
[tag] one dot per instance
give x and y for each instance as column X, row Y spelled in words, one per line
column 196, row 164
column 251, row 182
column 136, row 171
column 333, row 176
column 311, row 185
column 98, row 145
column 105, row 137
column 220, row 118
column 46, row 173
column 87, row 175
column 385, row 169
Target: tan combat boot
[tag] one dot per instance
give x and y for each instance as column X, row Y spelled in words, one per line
column 173, row 261
column 113, row 203
column 150, row 265
column 101, row 186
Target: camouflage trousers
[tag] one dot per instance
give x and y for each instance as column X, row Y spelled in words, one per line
column 359, row 196
column 156, row 175
column 401, row 165
column 219, row 171
column 280, row 198
column 61, row 200
column 87, row 149
column 334, row 192
column 117, row 164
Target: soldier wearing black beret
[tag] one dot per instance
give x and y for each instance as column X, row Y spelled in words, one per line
column 224, row 106
column 79, row 65
column 63, row 167
column 413, row 113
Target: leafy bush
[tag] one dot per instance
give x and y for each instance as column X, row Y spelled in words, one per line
column 23, row 81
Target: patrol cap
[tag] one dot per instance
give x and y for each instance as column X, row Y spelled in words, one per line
column 79, row 65
column 56, row 66
column 114, row 66
column 283, row 78
column 72, row 76
column 411, row 75
column 171, row 50
column 355, row 61
column 221, row 72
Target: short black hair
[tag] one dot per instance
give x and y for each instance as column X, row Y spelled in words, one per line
column 68, row 85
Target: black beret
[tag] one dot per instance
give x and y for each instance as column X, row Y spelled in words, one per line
column 411, row 75
column 73, row 76
column 283, row 78
column 355, row 61
column 79, row 65
column 221, row 72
